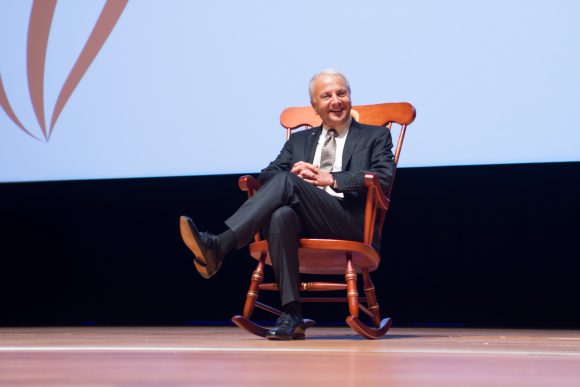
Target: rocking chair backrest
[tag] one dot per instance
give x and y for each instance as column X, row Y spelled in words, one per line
column 384, row 114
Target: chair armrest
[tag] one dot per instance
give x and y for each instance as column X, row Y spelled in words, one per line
column 371, row 182
column 249, row 184
column 376, row 200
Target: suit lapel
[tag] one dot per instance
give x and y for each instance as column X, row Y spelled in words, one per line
column 354, row 133
column 311, row 142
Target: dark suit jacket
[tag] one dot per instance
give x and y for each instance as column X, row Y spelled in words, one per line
column 367, row 149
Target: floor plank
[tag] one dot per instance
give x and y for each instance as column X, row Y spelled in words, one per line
column 226, row 356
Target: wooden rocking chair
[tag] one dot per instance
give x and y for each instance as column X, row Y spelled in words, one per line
column 330, row 256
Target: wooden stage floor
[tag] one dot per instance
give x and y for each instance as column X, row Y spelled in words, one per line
column 228, row 356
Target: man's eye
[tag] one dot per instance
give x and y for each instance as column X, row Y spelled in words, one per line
column 325, row 97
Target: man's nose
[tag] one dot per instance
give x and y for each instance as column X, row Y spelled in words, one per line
column 334, row 99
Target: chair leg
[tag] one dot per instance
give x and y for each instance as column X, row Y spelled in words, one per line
column 352, row 294
column 252, row 296
column 372, row 302
column 244, row 321
column 351, row 289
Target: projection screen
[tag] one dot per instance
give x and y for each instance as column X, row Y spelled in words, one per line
column 113, row 89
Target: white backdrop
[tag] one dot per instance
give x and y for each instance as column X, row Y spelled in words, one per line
column 493, row 81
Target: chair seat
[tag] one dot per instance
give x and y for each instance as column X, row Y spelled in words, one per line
column 326, row 256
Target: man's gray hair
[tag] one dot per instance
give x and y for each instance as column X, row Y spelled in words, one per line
column 326, row 72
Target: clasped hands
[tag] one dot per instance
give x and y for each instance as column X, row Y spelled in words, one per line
column 310, row 173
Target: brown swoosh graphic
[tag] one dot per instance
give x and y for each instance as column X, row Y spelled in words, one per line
column 109, row 16
column 8, row 109
column 38, row 30
column 37, row 41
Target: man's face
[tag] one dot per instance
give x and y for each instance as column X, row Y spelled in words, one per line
column 331, row 100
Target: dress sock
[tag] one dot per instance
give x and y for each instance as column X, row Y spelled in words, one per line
column 293, row 308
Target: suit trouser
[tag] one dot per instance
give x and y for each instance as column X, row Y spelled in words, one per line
column 285, row 209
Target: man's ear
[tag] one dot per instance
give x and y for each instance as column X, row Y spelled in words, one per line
column 313, row 107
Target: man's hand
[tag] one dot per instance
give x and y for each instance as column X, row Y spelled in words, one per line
column 304, row 170
column 311, row 174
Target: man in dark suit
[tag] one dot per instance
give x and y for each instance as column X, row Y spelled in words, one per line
column 314, row 188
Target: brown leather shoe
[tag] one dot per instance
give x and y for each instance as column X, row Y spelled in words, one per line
column 203, row 245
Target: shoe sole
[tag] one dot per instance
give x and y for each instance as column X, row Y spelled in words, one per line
column 193, row 245
column 296, row 336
